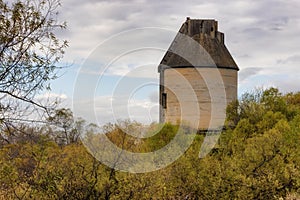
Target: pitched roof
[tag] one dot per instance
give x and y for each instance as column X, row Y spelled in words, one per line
column 205, row 32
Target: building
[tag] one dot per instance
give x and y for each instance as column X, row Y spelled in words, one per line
column 198, row 76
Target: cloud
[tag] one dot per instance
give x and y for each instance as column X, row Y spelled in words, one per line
column 51, row 95
column 113, row 108
column 262, row 36
column 148, row 71
column 135, row 53
column 248, row 72
column 258, row 29
column 100, row 19
column 291, row 60
column 62, row 99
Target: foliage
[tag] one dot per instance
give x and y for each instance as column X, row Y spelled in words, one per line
column 257, row 157
column 29, row 53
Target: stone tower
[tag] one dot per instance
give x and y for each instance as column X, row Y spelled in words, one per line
column 198, row 76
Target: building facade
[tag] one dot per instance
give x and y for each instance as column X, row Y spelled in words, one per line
column 198, row 77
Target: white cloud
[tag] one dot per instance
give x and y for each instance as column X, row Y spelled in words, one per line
column 113, row 108
column 248, row 72
column 51, row 95
column 262, row 36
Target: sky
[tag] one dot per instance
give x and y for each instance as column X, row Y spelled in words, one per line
column 117, row 43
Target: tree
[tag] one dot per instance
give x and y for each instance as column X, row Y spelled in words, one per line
column 254, row 159
column 29, row 51
column 67, row 130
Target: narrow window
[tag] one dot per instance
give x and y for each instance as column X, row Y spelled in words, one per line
column 164, row 100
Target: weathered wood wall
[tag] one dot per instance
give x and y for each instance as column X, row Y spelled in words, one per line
column 198, row 96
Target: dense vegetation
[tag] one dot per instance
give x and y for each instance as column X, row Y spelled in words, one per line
column 257, row 157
